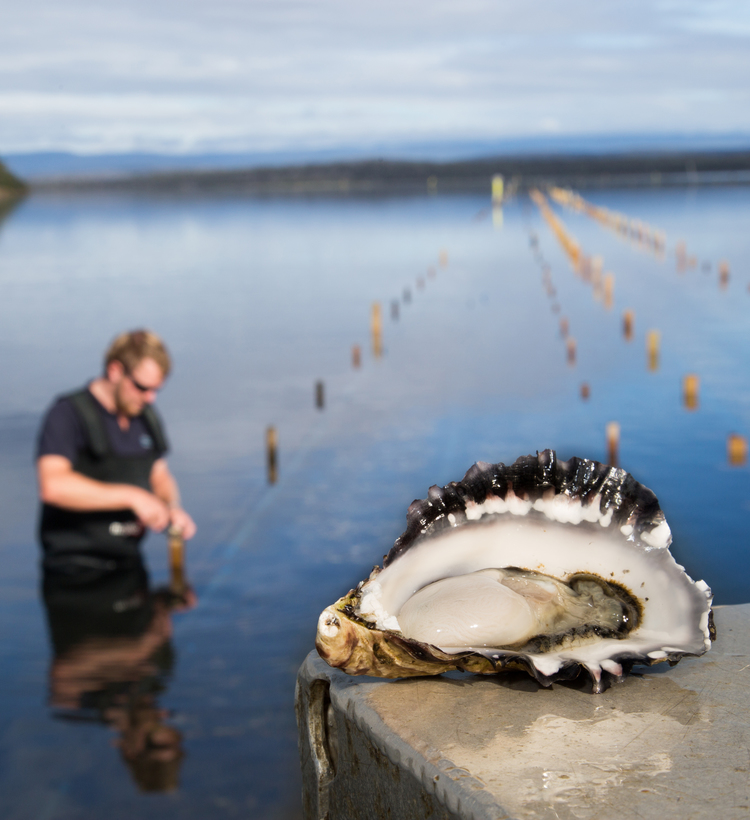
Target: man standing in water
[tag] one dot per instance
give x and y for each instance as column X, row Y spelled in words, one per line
column 103, row 478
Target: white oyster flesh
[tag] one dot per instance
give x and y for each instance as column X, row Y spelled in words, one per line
column 469, row 609
column 480, row 614
column 500, row 608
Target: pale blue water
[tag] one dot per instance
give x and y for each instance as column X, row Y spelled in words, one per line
column 260, row 298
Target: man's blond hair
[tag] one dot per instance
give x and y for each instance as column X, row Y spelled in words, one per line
column 132, row 347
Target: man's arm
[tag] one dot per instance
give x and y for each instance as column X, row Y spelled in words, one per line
column 61, row 485
column 165, row 487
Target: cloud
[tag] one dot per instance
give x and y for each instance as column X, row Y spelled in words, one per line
column 256, row 75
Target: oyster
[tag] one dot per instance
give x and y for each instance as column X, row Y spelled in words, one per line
column 544, row 565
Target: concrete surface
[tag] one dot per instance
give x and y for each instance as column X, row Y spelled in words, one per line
column 669, row 742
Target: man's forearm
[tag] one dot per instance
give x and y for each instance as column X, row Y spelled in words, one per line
column 74, row 491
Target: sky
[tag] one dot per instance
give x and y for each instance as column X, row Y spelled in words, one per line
column 234, row 76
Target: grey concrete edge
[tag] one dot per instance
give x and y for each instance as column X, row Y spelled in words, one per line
column 458, row 790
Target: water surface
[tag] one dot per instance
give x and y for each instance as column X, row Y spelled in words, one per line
column 260, row 298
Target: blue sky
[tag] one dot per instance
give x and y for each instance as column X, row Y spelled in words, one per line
column 197, row 76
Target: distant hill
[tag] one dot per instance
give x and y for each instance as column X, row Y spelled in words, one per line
column 10, row 185
column 51, row 165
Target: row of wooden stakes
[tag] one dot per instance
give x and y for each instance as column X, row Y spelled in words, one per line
column 589, row 269
column 642, row 232
column 376, row 334
column 737, row 445
column 625, row 226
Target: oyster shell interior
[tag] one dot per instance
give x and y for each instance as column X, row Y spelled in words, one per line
column 513, row 608
column 466, row 583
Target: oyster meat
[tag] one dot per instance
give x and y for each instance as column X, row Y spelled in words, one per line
column 544, row 565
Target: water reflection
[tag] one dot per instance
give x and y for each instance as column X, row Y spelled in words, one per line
column 112, row 658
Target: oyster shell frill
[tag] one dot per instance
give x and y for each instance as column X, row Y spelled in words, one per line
column 544, row 565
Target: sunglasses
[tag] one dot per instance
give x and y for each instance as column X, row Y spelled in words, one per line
column 142, row 388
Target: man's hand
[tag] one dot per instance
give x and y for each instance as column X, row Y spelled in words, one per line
column 181, row 521
column 150, row 510
column 165, row 487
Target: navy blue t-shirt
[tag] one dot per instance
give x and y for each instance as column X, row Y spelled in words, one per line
column 63, row 433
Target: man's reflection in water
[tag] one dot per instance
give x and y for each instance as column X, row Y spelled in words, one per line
column 113, row 655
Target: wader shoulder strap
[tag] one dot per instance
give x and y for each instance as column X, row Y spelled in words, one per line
column 84, row 404
column 153, row 422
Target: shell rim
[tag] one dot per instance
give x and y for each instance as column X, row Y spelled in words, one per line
column 631, row 502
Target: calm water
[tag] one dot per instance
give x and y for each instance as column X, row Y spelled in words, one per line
column 259, row 299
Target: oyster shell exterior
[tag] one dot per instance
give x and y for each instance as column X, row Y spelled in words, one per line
column 586, row 542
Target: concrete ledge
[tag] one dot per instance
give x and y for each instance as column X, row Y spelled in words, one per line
column 666, row 743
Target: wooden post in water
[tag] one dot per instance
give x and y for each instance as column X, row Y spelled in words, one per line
column 609, row 287
column 571, row 348
column 653, row 342
column 564, row 327
column 319, row 395
column 498, row 189
column 271, row 454
column 376, row 324
column 628, row 319
column 585, row 391
column 443, row 258
column 613, row 443
column 356, row 356
column 736, row 450
column 690, row 385
column 498, row 193
column 176, row 546
column 375, row 318
column 723, row 274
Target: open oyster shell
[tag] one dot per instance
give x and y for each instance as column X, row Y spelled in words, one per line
column 583, row 549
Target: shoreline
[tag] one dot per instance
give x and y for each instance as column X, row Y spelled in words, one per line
column 673, row 169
